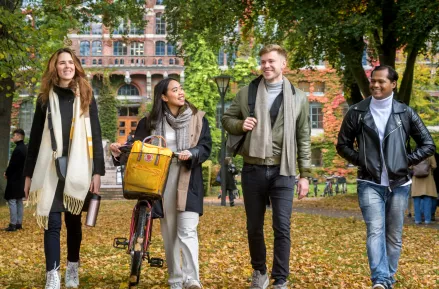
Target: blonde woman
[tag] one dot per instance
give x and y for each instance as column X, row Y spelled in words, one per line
column 67, row 95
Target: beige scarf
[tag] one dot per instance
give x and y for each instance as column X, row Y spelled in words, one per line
column 79, row 170
column 261, row 145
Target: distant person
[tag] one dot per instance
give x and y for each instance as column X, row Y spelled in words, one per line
column 381, row 126
column 14, row 192
column 436, row 181
column 231, row 172
column 424, row 191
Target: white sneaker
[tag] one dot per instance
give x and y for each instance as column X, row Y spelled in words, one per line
column 72, row 278
column 192, row 284
column 259, row 281
column 176, row 285
column 53, row 279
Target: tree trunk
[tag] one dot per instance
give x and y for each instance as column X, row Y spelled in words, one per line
column 405, row 89
column 355, row 96
column 6, row 87
column 388, row 46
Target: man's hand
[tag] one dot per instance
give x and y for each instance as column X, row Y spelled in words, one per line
column 303, row 187
column 27, row 183
column 95, row 184
column 184, row 155
column 249, row 124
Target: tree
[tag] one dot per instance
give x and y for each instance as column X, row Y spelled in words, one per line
column 336, row 30
column 200, row 68
column 29, row 35
column 107, row 104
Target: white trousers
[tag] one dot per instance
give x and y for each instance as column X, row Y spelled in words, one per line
column 179, row 232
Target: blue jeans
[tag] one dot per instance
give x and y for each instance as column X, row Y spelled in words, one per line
column 423, row 205
column 15, row 211
column 383, row 213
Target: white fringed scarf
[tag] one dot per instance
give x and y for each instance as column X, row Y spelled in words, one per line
column 79, row 170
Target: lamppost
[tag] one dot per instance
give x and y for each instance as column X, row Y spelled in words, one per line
column 222, row 82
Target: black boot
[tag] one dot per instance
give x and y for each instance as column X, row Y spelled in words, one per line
column 18, row 227
column 232, row 204
column 11, row 228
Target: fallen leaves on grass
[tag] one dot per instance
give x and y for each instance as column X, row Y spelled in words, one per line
column 325, row 252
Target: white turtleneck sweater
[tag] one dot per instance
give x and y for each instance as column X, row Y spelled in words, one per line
column 381, row 110
column 273, row 90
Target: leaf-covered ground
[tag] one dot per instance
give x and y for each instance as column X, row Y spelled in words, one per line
column 326, row 252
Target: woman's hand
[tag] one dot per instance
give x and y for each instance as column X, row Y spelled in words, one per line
column 95, row 184
column 185, row 155
column 27, row 183
column 114, row 148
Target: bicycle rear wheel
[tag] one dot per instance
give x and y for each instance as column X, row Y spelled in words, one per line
column 138, row 244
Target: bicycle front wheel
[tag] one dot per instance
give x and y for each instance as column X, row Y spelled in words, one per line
column 138, row 244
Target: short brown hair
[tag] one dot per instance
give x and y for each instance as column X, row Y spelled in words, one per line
column 273, row 47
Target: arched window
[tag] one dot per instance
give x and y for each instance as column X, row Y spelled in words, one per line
column 170, row 49
column 160, row 25
column 84, row 48
column 122, row 61
column 116, row 61
column 221, row 57
column 83, row 61
column 171, row 61
column 137, row 48
column 94, row 62
column 160, row 62
column 99, row 61
column 120, row 48
column 160, row 48
column 128, row 89
column 96, row 48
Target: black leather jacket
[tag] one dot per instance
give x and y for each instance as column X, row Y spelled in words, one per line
column 403, row 122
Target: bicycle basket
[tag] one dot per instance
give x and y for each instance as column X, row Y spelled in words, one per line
column 146, row 170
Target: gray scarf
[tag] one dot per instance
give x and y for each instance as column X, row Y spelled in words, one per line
column 180, row 124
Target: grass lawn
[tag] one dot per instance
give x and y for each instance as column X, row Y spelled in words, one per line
column 325, row 252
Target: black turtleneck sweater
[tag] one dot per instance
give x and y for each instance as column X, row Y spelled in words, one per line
column 66, row 98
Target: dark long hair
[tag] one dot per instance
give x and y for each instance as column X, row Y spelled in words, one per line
column 158, row 107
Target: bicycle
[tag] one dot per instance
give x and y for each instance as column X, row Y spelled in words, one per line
column 139, row 240
column 342, row 182
column 328, row 186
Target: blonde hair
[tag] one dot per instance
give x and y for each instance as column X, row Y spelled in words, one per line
column 273, row 47
column 51, row 78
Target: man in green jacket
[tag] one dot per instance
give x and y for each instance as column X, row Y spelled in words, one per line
column 275, row 138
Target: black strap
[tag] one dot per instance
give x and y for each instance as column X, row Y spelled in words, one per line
column 274, row 110
column 52, row 134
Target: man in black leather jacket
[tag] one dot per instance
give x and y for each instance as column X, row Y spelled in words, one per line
column 381, row 126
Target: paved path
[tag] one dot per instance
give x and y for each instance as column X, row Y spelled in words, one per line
column 324, row 212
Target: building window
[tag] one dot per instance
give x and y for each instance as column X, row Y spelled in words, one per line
column 96, row 48
column 231, row 57
column 177, row 62
column 170, row 49
column 120, row 29
column 128, row 89
column 120, row 48
column 99, row 61
column 122, row 132
column 134, row 124
column 221, row 57
column 26, row 116
column 96, row 28
column 83, row 61
column 218, row 112
column 136, row 30
column 121, row 61
column 159, row 2
column 84, row 48
column 160, row 48
column 116, row 61
column 319, row 87
column 94, row 62
column 137, row 48
column 304, row 86
column 160, row 61
column 316, row 157
column 121, row 124
column 160, row 25
column 316, row 115
column 171, row 61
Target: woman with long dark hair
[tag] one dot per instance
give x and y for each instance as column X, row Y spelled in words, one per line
column 186, row 130
column 65, row 124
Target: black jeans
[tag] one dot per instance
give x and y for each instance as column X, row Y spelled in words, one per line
column 259, row 183
column 52, row 239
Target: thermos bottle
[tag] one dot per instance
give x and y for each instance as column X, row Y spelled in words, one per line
column 93, row 210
